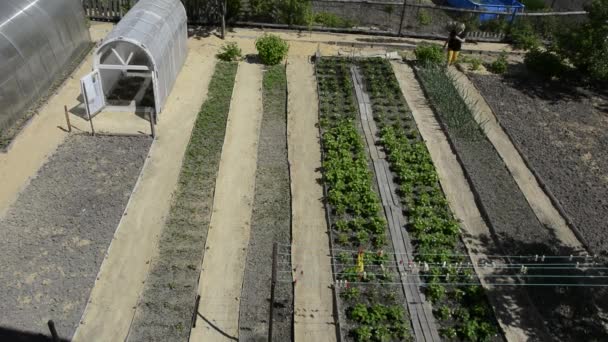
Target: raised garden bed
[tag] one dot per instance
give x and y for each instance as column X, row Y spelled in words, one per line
column 167, row 303
column 270, row 221
column 564, row 310
column 369, row 309
column 462, row 311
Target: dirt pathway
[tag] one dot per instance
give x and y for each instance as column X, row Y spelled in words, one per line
column 120, row 281
column 512, row 306
column 540, row 203
column 223, row 266
column 313, row 307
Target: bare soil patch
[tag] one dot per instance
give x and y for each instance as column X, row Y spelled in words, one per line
column 54, row 237
column 562, row 132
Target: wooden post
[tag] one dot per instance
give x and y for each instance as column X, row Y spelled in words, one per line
column 67, row 118
column 275, row 252
column 91, row 122
column 54, row 335
column 196, row 304
column 402, row 17
column 152, row 128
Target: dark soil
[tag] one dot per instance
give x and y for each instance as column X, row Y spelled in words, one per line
column 166, row 306
column 54, row 237
column 270, row 222
column 565, row 310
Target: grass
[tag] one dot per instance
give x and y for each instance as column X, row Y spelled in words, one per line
column 168, row 299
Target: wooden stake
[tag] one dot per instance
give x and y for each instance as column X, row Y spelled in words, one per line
column 91, row 122
column 54, row 335
column 275, row 252
column 152, row 129
column 67, row 118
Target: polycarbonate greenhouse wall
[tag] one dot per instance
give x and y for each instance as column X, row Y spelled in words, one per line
column 153, row 34
column 39, row 41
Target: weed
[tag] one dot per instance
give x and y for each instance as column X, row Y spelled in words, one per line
column 230, row 52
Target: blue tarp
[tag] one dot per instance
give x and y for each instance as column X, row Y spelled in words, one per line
column 507, row 6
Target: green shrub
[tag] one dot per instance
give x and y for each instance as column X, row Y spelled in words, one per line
column 230, row 52
column 500, row 65
column 424, row 18
column 524, row 37
column 475, row 64
column 429, row 54
column 363, row 333
column 271, row 49
column 585, row 46
column 350, row 294
column 293, row 12
column 544, row 63
column 332, row 20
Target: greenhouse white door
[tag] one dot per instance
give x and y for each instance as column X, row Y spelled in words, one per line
column 92, row 91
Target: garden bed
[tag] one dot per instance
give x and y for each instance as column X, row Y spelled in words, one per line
column 370, row 306
column 462, row 311
column 562, row 134
column 166, row 306
column 270, row 221
column 515, row 227
column 53, row 239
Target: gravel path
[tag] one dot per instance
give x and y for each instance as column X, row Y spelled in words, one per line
column 564, row 138
column 568, row 316
column 271, row 220
column 54, row 237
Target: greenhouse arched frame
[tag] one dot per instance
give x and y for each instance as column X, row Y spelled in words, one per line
column 149, row 43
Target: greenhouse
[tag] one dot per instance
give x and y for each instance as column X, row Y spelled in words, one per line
column 39, row 42
column 138, row 62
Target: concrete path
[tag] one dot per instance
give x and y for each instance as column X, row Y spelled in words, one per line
column 313, row 308
column 223, row 267
column 121, row 278
column 516, row 316
column 540, row 203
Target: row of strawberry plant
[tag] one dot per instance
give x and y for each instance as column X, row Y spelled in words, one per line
column 372, row 306
column 462, row 311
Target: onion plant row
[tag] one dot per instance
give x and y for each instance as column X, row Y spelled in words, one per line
column 372, row 307
column 462, row 311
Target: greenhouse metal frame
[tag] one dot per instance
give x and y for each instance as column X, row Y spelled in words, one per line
column 149, row 42
column 39, row 42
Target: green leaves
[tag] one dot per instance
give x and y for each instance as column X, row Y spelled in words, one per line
column 271, row 49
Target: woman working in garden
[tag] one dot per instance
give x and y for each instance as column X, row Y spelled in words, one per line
column 454, row 43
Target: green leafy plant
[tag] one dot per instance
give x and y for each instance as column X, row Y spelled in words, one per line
column 352, row 293
column 448, row 333
column 424, row 18
column 500, row 65
column 230, row 52
column 475, row 64
column 429, row 54
column 544, row 63
column 271, row 49
column 524, row 37
column 331, row 20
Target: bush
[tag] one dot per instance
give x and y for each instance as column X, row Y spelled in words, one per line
column 429, row 54
column 332, row 20
column 293, row 12
column 475, row 64
column 230, row 52
column 271, row 49
column 523, row 37
column 500, row 65
column 544, row 63
column 424, row 18
column 585, row 46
